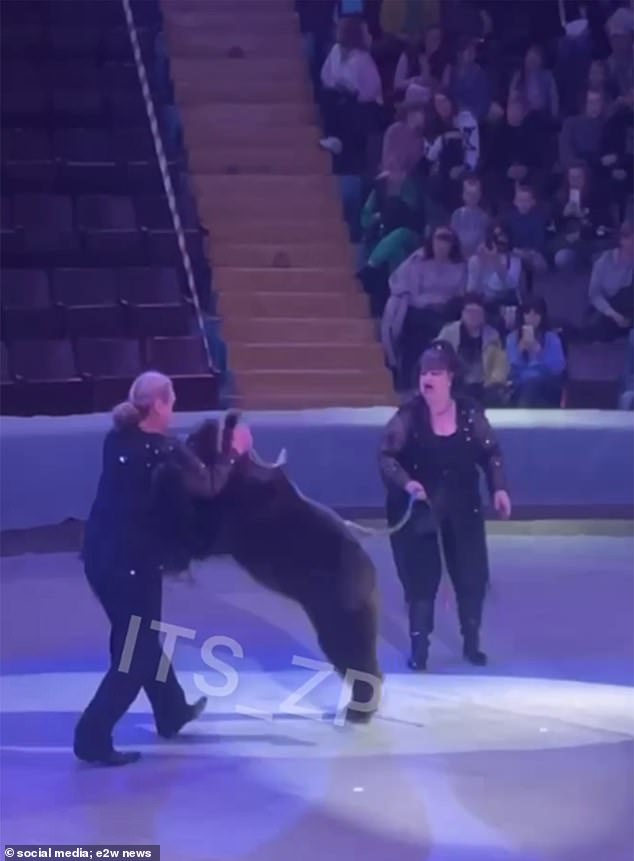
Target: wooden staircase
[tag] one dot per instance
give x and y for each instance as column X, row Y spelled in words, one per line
column 295, row 321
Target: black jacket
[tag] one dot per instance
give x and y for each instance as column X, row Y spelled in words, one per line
column 447, row 467
column 136, row 519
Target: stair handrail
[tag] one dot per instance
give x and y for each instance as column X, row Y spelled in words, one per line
column 167, row 180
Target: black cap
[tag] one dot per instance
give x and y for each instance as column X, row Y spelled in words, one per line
column 439, row 356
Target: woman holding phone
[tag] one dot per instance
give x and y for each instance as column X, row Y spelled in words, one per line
column 536, row 358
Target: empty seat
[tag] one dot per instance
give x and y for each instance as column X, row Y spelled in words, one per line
column 157, row 306
column 89, row 301
column 27, row 311
column 37, row 361
column 88, row 164
column 109, row 227
column 70, row 74
column 47, row 223
column 27, row 160
column 5, row 372
column 109, row 357
column 178, row 356
column 185, row 361
column 71, row 40
column 134, row 144
column 27, row 106
column 111, row 365
column 149, row 285
column 47, row 382
column 26, row 145
column 78, row 107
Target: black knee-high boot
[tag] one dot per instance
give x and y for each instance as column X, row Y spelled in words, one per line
column 421, row 625
column 470, row 628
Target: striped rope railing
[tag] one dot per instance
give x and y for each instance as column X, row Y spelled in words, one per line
column 167, row 179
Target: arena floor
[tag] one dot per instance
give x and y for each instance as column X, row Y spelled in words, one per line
column 530, row 759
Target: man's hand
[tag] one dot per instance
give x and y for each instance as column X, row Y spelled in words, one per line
column 502, row 504
column 242, row 441
column 416, row 489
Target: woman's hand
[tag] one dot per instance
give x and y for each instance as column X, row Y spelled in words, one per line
column 502, row 504
column 242, row 441
column 416, row 489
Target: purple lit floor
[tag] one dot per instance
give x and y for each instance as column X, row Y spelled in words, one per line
column 530, row 759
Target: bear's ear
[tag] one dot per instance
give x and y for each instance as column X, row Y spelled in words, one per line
column 204, row 441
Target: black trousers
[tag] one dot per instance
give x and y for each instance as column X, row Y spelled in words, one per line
column 418, row 560
column 134, row 665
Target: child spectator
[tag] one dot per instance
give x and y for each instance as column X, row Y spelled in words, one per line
column 526, row 225
column 536, row 359
column 470, row 222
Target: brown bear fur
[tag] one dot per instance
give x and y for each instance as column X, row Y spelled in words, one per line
column 296, row 548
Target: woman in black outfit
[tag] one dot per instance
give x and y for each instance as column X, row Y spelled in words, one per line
column 432, row 449
column 131, row 538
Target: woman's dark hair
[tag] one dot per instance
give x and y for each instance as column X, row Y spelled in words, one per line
column 521, row 78
column 472, row 299
column 538, row 305
column 455, row 255
column 350, row 32
column 437, row 124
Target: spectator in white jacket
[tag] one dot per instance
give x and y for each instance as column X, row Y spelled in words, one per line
column 352, row 98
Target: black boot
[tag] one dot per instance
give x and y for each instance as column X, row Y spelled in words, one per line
column 471, row 649
column 191, row 713
column 421, row 624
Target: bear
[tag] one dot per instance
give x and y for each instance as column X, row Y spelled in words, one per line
column 298, row 549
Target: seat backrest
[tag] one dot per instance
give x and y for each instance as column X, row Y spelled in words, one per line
column 105, row 212
column 90, row 146
column 26, row 145
column 109, row 357
column 25, row 288
column 43, row 360
column 51, row 211
column 149, row 285
column 185, row 355
column 80, row 287
column 5, row 374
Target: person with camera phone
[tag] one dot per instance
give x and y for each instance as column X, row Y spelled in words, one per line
column 536, row 358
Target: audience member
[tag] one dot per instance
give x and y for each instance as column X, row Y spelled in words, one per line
column 496, row 273
column 352, row 96
column 526, row 225
column 611, row 291
column 619, row 29
column 581, row 219
column 484, row 364
column 626, row 397
column 617, row 152
column 470, row 222
column 424, row 294
column 467, row 82
column 422, row 65
column 581, row 136
column 517, row 151
column 454, row 151
column 535, row 85
column 536, row 358
column 393, row 218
